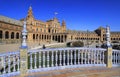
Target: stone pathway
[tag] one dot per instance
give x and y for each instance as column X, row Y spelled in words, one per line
column 79, row 72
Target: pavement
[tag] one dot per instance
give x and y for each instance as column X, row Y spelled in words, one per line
column 79, row 72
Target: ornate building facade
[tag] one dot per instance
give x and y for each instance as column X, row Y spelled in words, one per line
column 51, row 31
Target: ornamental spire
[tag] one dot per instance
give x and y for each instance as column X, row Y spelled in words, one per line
column 30, row 13
column 63, row 23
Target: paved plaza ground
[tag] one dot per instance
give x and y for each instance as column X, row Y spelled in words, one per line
column 79, row 72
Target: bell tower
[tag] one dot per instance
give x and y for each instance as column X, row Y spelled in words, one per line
column 30, row 13
column 63, row 26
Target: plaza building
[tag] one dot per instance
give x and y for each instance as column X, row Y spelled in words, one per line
column 51, row 31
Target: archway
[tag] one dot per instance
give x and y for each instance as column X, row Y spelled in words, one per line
column 6, row 35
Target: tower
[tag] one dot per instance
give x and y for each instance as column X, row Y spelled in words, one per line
column 63, row 26
column 30, row 13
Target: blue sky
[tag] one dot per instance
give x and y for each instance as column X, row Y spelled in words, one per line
column 78, row 14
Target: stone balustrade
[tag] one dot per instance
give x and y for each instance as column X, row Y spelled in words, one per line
column 10, row 64
column 57, row 58
column 116, row 57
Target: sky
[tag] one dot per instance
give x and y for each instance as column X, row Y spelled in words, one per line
column 78, row 14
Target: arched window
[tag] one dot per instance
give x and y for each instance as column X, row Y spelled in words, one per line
column 37, row 36
column 1, row 33
column 33, row 36
column 45, row 36
column 42, row 37
column 6, row 35
column 17, row 35
column 12, row 35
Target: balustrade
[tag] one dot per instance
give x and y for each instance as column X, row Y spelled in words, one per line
column 10, row 62
column 116, row 57
column 58, row 57
column 66, row 56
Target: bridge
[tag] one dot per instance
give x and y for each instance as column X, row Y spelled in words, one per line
column 31, row 61
column 56, row 59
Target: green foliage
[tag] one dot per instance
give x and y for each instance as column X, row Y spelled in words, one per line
column 116, row 47
column 113, row 46
column 68, row 44
column 115, row 41
column 103, row 46
column 77, row 44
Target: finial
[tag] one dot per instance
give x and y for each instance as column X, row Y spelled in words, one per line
column 24, row 33
column 108, row 36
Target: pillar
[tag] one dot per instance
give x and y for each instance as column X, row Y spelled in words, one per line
column 23, row 53
column 23, row 61
column 109, row 48
column 109, row 57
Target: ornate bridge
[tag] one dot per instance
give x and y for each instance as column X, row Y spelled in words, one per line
column 59, row 58
column 37, row 60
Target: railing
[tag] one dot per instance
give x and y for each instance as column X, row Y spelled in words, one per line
column 59, row 58
column 116, row 57
column 9, row 64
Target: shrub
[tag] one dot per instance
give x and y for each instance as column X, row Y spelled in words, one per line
column 103, row 46
column 116, row 47
column 77, row 44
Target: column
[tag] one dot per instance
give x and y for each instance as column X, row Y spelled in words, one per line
column 60, row 57
column 23, row 52
column 48, row 59
column 56, row 58
column 71, row 57
column 40, row 59
column 52, row 58
column 23, row 61
column 31, row 60
column 68, row 57
column 35, row 66
column 109, row 48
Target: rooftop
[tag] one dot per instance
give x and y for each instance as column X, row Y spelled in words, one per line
column 10, row 20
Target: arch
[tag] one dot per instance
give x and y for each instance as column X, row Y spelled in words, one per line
column 33, row 36
column 12, row 35
column 17, row 35
column 56, row 38
column 6, row 35
column 45, row 37
column 52, row 37
column 1, row 34
column 36, row 36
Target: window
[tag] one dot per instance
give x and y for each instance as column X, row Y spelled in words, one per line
column 12, row 35
column 1, row 34
column 36, row 29
column 33, row 36
column 49, row 30
column 6, row 35
column 41, row 30
column 17, row 35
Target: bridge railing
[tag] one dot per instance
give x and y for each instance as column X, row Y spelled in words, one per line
column 9, row 64
column 58, row 58
column 116, row 57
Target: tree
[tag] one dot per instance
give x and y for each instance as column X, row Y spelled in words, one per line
column 116, row 47
column 77, row 44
